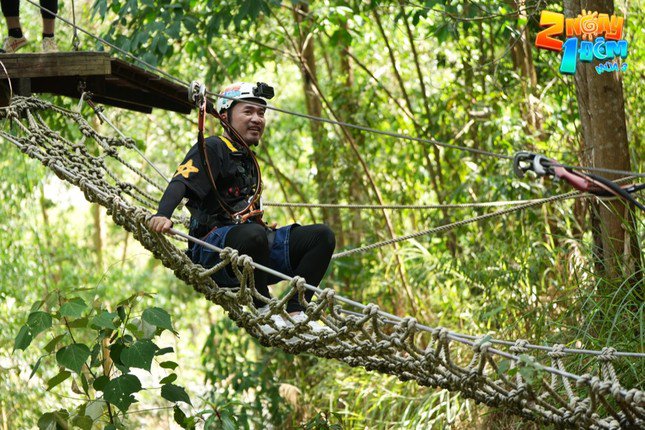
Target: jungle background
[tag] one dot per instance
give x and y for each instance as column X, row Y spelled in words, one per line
column 460, row 72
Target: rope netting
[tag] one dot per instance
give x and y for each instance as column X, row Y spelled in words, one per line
column 505, row 374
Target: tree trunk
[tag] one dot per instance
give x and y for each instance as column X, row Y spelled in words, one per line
column 522, row 54
column 604, row 134
column 323, row 159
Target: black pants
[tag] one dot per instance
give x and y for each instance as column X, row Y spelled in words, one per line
column 11, row 8
column 310, row 251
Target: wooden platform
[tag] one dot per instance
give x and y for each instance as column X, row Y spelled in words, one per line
column 111, row 81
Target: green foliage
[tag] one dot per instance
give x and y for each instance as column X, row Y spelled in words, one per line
column 528, row 275
column 100, row 352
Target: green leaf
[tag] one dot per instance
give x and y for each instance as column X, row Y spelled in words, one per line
column 51, row 346
column 83, row 422
column 157, row 317
column 36, row 305
column 119, row 391
column 94, row 357
column 78, row 323
column 23, row 339
column 120, row 310
column 54, row 420
column 104, row 320
column 84, row 384
column 38, row 322
column 73, row 356
column 180, row 417
column 169, row 365
column 503, row 366
column 62, row 375
column 168, row 379
column 73, row 308
column 140, row 354
column 100, row 382
column 174, row 393
column 36, row 366
column 163, row 351
column 228, row 421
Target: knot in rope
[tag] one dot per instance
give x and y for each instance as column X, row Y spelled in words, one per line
column 227, row 254
column 299, row 283
column 407, row 325
column 371, row 310
column 558, row 351
column 327, row 295
column 607, row 354
column 520, row 346
column 481, row 345
column 441, row 334
column 585, row 379
column 636, row 397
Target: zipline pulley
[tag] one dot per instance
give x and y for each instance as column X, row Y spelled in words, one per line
column 586, row 182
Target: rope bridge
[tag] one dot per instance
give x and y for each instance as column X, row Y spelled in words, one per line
column 495, row 372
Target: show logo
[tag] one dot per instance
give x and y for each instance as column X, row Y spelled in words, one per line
column 601, row 39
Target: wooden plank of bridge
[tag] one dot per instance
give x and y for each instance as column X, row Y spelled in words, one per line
column 54, row 64
column 111, row 81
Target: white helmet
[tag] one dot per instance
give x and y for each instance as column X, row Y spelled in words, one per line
column 259, row 93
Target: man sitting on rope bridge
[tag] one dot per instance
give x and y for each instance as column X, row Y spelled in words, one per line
column 221, row 179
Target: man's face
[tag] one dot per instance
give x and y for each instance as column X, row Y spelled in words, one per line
column 248, row 120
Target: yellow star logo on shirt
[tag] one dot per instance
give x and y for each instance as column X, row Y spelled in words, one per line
column 186, row 169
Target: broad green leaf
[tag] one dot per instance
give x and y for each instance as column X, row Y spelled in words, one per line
column 168, row 379
column 73, row 308
column 157, row 317
column 54, row 420
column 180, row 417
column 140, row 354
column 104, row 320
column 51, row 346
column 23, row 339
column 100, row 382
column 503, row 366
column 119, row 391
column 38, row 322
column 169, row 365
column 83, row 422
column 73, row 356
column 62, row 375
column 79, row 323
column 174, row 393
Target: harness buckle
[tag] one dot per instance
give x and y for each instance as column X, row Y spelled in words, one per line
column 523, row 161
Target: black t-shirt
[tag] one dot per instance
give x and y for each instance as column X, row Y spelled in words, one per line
column 235, row 177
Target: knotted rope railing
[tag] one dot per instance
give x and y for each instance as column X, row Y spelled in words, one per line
column 489, row 371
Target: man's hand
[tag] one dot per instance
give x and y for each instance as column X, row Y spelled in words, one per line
column 160, row 224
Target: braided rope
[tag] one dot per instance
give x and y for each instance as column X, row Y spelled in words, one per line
column 368, row 339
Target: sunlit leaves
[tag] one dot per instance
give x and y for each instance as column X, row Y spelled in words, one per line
column 139, row 354
column 174, row 393
column 119, row 391
column 73, row 356
column 157, row 317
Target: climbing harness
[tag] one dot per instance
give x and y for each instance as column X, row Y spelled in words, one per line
column 586, row 182
column 252, row 209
